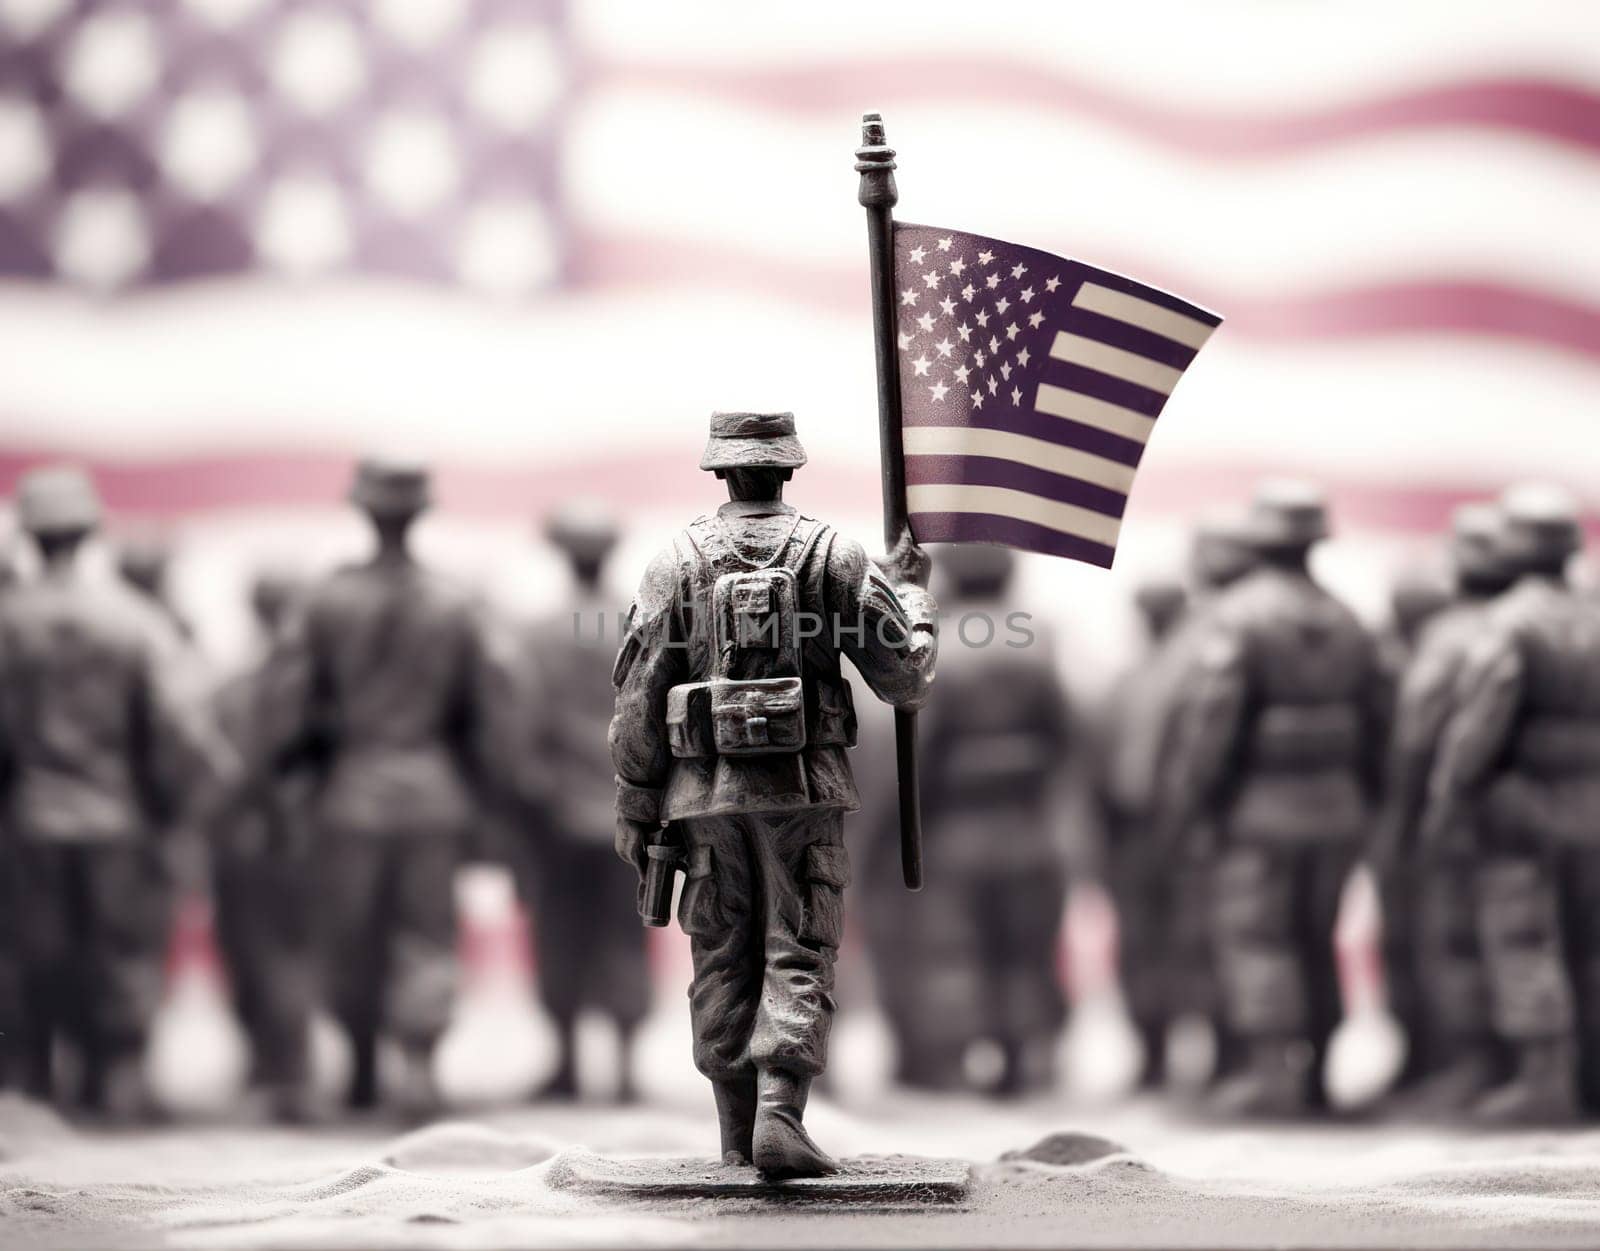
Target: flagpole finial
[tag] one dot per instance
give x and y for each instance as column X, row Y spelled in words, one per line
column 875, row 164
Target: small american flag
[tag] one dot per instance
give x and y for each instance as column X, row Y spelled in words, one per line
column 1029, row 385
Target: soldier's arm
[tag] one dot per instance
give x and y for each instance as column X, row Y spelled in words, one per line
column 652, row 660
column 890, row 632
column 1421, row 712
column 1207, row 718
column 1486, row 696
column 188, row 758
column 286, row 697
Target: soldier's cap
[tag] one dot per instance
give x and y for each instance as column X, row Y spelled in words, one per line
column 1287, row 512
column 391, row 485
column 57, row 500
column 1478, row 541
column 752, row 441
column 1414, row 598
column 976, row 568
column 584, row 529
column 1160, row 601
column 1541, row 522
column 1219, row 551
column 143, row 558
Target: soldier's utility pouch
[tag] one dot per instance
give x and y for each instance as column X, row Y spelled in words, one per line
column 757, row 624
column 758, row 717
column 689, row 733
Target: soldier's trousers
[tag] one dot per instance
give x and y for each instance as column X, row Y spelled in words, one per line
column 590, row 946
column 763, row 908
column 385, row 925
column 91, row 923
column 1539, row 920
column 264, row 927
column 1433, row 960
column 1273, row 914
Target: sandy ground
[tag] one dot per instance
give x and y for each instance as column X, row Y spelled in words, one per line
column 497, row 1181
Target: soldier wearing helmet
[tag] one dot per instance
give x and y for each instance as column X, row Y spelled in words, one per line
column 1518, row 775
column 105, row 756
column 381, row 672
column 1273, row 760
column 731, row 726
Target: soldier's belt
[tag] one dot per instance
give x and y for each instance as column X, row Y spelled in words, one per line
column 1554, row 746
column 731, row 717
column 1305, row 736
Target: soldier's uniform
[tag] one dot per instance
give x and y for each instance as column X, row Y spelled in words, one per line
column 1519, row 768
column 1274, row 750
column 103, row 755
column 261, row 879
column 590, row 948
column 732, row 722
column 974, row 955
column 383, row 665
column 1432, row 964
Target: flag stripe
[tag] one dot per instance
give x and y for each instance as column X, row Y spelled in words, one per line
column 989, row 471
column 1152, row 317
column 1018, row 505
column 1026, row 535
column 1088, row 411
column 1034, row 425
column 1004, row 445
column 1074, row 349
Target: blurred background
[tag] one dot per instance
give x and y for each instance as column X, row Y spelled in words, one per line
column 536, row 242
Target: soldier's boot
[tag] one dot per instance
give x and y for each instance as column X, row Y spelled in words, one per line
column 563, row 1083
column 627, row 1089
column 1270, row 1081
column 416, row 1095
column 123, row 1096
column 1449, row 1088
column 781, row 1146
column 736, row 1116
column 1543, row 1089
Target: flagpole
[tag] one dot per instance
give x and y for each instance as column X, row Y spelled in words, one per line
column 878, row 195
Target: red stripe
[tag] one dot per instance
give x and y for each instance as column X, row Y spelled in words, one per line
column 664, row 478
column 1427, row 305
column 1535, row 107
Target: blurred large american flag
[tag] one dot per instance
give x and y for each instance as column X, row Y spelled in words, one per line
column 243, row 239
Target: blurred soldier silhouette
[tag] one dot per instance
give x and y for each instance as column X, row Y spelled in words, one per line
column 144, row 561
column 11, row 1054
column 1161, row 889
column 1274, row 756
column 1432, row 963
column 261, row 878
column 383, row 669
column 1519, row 769
column 973, row 957
column 104, row 758
column 732, row 723
column 591, row 949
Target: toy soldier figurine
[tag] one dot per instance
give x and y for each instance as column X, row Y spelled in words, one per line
column 732, row 722
column 1272, row 752
column 591, row 951
column 1433, row 967
column 382, row 669
column 103, row 756
column 974, row 956
column 1519, row 769
column 261, row 878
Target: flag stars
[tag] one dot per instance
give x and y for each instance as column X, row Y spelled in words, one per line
column 908, row 296
column 946, row 243
column 1012, row 331
column 1016, row 397
column 981, row 318
column 920, row 365
column 1005, row 372
column 917, row 254
column 967, row 292
column 948, row 305
column 992, row 281
column 961, row 373
column 965, row 332
column 944, row 347
column 938, row 390
column 1026, row 296
column 932, row 279
column 994, row 345
column 1035, row 319
column 981, row 359
column 1002, row 305
column 1018, row 270
column 985, row 257
column 926, row 321
column 957, row 266
column 977, row 399
column 1051, row 284
column 1022, row 359
column 905, row 340
column 994, row 387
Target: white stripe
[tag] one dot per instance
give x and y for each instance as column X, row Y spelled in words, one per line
column 1021, row 448
column 1142, row 313
column 1129, row 366
column 1101, row 414
column 1019, row 506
